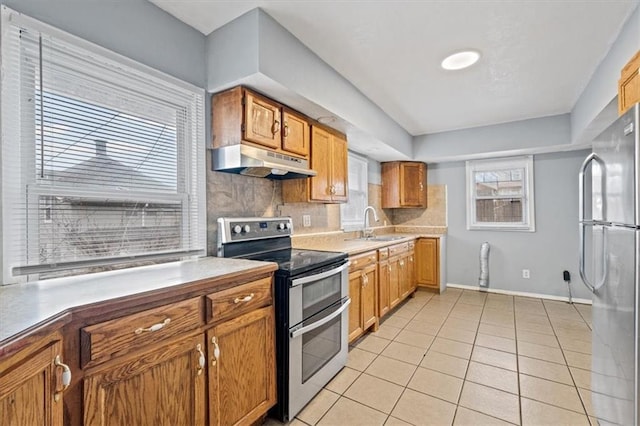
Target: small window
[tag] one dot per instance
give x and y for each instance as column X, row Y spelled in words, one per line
column 351, row 216
column 500, row 194
column 105, row 158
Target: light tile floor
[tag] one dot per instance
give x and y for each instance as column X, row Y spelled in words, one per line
column 465, row 358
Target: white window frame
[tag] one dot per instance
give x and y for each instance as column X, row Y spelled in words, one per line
column 528, row 206
column 358, row 166
column 191, row 178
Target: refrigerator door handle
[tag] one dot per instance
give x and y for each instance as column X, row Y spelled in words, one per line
column 581, row 185
column 605, row 263
column 582, row 225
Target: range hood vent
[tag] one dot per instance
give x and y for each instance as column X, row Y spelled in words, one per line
column 251, row 161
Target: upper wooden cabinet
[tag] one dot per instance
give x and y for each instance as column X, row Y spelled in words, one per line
column 31, row 387
column 242, row 116
column 329, row 160
column 404, row 184
column 629, row 84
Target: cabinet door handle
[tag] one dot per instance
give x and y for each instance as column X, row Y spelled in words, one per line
column 286, row 129
column 216, row 350
column 276, row 127
column 66, row 377
column 243, row 299
column 421, row 187
column 402, row 263
column 201, row 359
column 154, row 327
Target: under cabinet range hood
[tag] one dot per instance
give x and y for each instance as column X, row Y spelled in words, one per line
column 257, row 162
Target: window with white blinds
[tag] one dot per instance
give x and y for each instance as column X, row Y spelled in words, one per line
column 102, row 158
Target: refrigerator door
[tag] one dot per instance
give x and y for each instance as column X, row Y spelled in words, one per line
column 614, row 357
column 617, row 146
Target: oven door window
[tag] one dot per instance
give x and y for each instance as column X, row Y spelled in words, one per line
column 320, row 294
column 319, row 346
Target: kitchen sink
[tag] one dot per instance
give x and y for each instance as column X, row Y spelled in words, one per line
column 378, row 238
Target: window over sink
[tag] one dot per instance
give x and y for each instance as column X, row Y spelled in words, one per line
column 102, row 157
column 351, row 212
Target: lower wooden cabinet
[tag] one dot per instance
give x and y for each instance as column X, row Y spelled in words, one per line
column 242, row 382
column 384, row 304
column 363, row 283
column 164, row 386
column 31, row 387
column 428, row 262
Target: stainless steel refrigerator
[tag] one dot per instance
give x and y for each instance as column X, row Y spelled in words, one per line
column 610, row 227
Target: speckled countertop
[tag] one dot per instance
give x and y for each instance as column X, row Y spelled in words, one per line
column 26, row 306
column 349, row 244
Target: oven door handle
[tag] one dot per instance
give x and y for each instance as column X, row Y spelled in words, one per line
column 301, row 331
column 321, row 276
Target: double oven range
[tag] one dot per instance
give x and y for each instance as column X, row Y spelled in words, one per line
column 311, row 292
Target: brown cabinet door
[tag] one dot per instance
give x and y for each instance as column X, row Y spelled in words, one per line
column 242, row 367
column 355, row 308
column 339, row 170
column 629, row 84
column 295, row 134
column 383, row 288
column 412, row 185
column 262, row 122
column 404, row 276
column 427, row 262
column 28, row 390
column 369, row 294
column 321, row 152
column 165, row 386
column 394, row 282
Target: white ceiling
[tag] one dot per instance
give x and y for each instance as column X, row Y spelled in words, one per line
column 538, row 55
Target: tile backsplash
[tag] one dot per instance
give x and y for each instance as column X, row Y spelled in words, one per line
column 232, row 195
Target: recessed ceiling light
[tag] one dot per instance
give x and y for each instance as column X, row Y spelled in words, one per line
column 327, row 119
column 460, row 60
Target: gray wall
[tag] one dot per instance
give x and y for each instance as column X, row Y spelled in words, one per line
column 257, row 51
column 133, row 28
column 546, row 252
column 603, row 85
column 533, row 133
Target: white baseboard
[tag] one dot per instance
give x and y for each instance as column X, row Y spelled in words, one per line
column 519, row 293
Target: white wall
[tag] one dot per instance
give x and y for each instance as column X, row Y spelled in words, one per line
column 546, row 252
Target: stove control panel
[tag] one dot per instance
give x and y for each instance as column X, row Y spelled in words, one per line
column 253, row 228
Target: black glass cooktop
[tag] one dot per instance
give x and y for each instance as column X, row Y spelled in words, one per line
column 299, row 261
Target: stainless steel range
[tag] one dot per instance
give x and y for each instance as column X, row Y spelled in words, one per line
column 311, row 299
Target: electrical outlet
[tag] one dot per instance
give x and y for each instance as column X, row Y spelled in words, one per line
column 526, row 274
column 306, row 220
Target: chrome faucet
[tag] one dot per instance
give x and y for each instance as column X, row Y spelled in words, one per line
column 367, row 232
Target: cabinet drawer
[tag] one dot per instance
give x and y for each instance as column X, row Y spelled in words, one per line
column 109, row 339
column 383, row 253
column 398, row 249
column 362, row 260
column 238, row 300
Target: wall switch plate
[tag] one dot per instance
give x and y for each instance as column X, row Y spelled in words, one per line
column 306, row 220
column 526, row 274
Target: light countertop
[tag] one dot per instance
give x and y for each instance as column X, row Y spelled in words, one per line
column 24, row 307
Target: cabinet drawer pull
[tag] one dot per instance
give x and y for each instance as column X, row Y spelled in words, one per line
column 154, row 327
column 216, row 350
column 66, row 377
column 201, row 359
column 276, row 127
column 243, row 299
column 402, row 263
